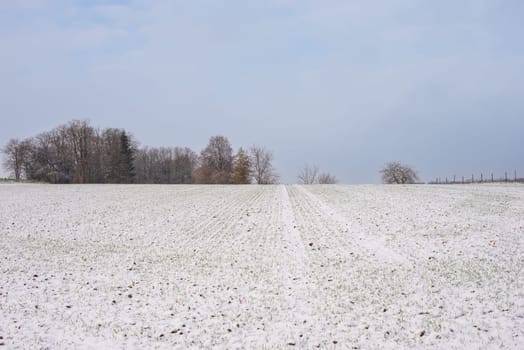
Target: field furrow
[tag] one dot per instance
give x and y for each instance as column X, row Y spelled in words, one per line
column 276, row 267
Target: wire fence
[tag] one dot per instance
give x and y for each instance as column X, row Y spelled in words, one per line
column 475, row 179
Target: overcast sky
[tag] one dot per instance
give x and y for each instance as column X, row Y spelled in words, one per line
column 346, row 85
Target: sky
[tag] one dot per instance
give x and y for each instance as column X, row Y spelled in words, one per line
column 343, row 85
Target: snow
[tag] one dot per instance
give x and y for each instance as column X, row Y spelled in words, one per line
column 234, row 267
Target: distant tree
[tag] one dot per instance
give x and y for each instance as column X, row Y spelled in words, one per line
column 142, row 165
column 79, row 136
column 308, row 175
column 203, row 175
column 216, row 161
column 262, row 165
column 397, row 173
column 327, row 179
column 241, row 168
column 50, row 157
column 16, row 153
column 95, row 158
column 165, row 165
column 111, row 155
column 127, row 169
column 184, row 162
column 41, row 163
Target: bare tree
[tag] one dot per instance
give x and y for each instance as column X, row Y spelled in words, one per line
column 42, row 161
column 327, row 179
column 184, row 163
column 16, row 153
column 142, row 165
column 95, row 158
column 218, row 154
column 111, row 158
column 308, row 175
column 397, row 173
column 165, row 165
column 217, row 161
column 262, row 165
column 79, row 136
column 50, row 158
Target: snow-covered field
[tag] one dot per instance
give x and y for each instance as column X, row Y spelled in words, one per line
column 329, row 267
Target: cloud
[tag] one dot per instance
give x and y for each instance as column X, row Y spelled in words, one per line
column 316, row 81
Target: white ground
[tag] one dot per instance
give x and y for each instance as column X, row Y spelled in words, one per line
column 288, row 267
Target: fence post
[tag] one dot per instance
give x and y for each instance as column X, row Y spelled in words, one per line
column 491, row 177
column 506, row 176
column 472, row 178
column 515, row 175
column 463, row 179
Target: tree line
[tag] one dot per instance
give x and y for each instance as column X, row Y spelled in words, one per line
column 77, row 152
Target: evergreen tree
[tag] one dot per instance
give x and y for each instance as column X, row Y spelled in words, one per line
column 241, row 168
column 127, row 169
